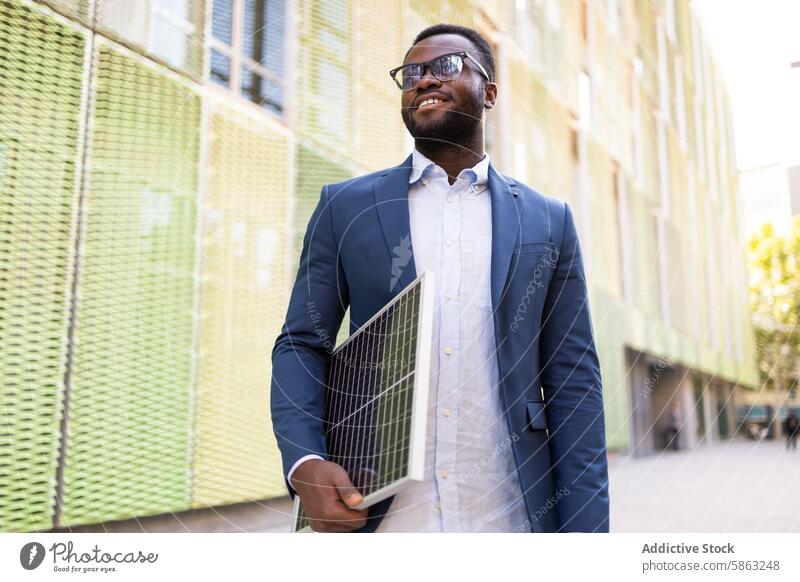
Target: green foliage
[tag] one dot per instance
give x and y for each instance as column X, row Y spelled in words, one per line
column 775, row 301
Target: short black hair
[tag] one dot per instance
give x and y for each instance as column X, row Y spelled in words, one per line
column 485, row 53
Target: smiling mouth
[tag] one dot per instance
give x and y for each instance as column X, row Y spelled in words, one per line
column 430, row 103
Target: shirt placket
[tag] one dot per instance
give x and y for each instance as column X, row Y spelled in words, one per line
column 449, row 373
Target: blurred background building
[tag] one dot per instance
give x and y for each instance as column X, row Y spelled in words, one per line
column 159, row 160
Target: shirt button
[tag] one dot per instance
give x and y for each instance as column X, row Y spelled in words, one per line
column 448, row 350
column 448, row 295
column 446, row 412
column 443, row 473
column 424, row 182
column 449, row 242
column 450, row 199
column 438, row 509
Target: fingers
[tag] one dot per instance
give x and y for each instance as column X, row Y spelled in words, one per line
column 330, row 498
column 347, row 491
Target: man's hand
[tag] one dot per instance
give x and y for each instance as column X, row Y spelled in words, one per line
column 328, row 497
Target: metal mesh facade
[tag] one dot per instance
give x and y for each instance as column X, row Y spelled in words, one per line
column 168, row 30
column 39, row 158
column 245, row 257
column 325, row 95
column 128, row 437
column 78, row 9
column 313, row 171
column 379, row 142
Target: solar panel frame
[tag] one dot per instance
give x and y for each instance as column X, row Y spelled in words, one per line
column 415, row 466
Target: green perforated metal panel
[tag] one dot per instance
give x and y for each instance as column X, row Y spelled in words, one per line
column 168, row 30
column 381, row 133
column 324, row 88
column 130, row 408
column 41, row 65
column 73, row 8
column 312, row 172
column 245, row 283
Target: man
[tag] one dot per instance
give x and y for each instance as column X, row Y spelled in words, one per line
column 674, row 430
column 516, row 429
column 790, row 427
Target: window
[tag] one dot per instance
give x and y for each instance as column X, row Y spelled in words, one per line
column 663, row 168
column 585, row 101
column 680, row 102
column 623, row 232
column 529, row 22
column 670, row 17
column 247, row 49
column 636, row 114
column 583, row 195
column 614, row 17
column 663, row 73
column 171, row 30
column 712, row 272
column 661, row 289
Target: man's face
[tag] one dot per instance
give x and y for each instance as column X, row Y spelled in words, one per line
column 458, row 117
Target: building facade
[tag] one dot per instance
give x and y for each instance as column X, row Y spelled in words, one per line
column 159, row 160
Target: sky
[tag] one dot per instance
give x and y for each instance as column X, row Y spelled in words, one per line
column 754, row 42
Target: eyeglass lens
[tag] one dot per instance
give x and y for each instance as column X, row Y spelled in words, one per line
column 444, row 68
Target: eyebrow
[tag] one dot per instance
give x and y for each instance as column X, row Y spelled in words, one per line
column 432, row 58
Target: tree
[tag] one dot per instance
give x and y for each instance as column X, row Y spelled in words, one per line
column 775, row 302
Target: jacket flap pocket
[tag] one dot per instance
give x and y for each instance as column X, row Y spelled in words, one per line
column 536, row 417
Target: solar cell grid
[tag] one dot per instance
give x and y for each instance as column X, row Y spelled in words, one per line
column 377, row 397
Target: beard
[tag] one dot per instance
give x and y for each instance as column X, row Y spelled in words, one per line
column 452, row 129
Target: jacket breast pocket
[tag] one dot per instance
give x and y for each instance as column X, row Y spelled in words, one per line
column 536, row 416
column 535, row 247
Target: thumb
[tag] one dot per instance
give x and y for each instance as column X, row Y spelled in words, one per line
column 346, row 489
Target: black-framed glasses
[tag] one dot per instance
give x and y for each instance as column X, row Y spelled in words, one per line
column 445, row 68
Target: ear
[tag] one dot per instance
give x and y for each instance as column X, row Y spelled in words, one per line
column 489, row 95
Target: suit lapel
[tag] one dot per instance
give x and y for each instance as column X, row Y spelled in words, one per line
column 391, row 202
column 506, row 221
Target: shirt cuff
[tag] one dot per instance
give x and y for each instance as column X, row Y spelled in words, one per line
column 299, row 462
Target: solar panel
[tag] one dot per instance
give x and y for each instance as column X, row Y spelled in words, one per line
column 376, row 404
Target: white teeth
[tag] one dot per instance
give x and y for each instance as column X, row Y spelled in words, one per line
column 430, row 102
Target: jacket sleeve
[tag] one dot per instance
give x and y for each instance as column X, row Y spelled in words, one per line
column 572, row 388
column 302, row 352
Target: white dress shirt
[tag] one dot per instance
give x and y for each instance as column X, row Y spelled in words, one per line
column 470, row 481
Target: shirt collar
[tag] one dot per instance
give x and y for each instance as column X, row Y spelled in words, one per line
column 420, row 164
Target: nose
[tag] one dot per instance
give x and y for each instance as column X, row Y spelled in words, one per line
column 428, row 79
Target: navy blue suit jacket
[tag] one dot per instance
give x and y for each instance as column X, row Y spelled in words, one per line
column 355, row 253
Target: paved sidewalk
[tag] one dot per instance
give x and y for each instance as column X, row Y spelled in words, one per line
column 734, row 486
column 270, row 515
